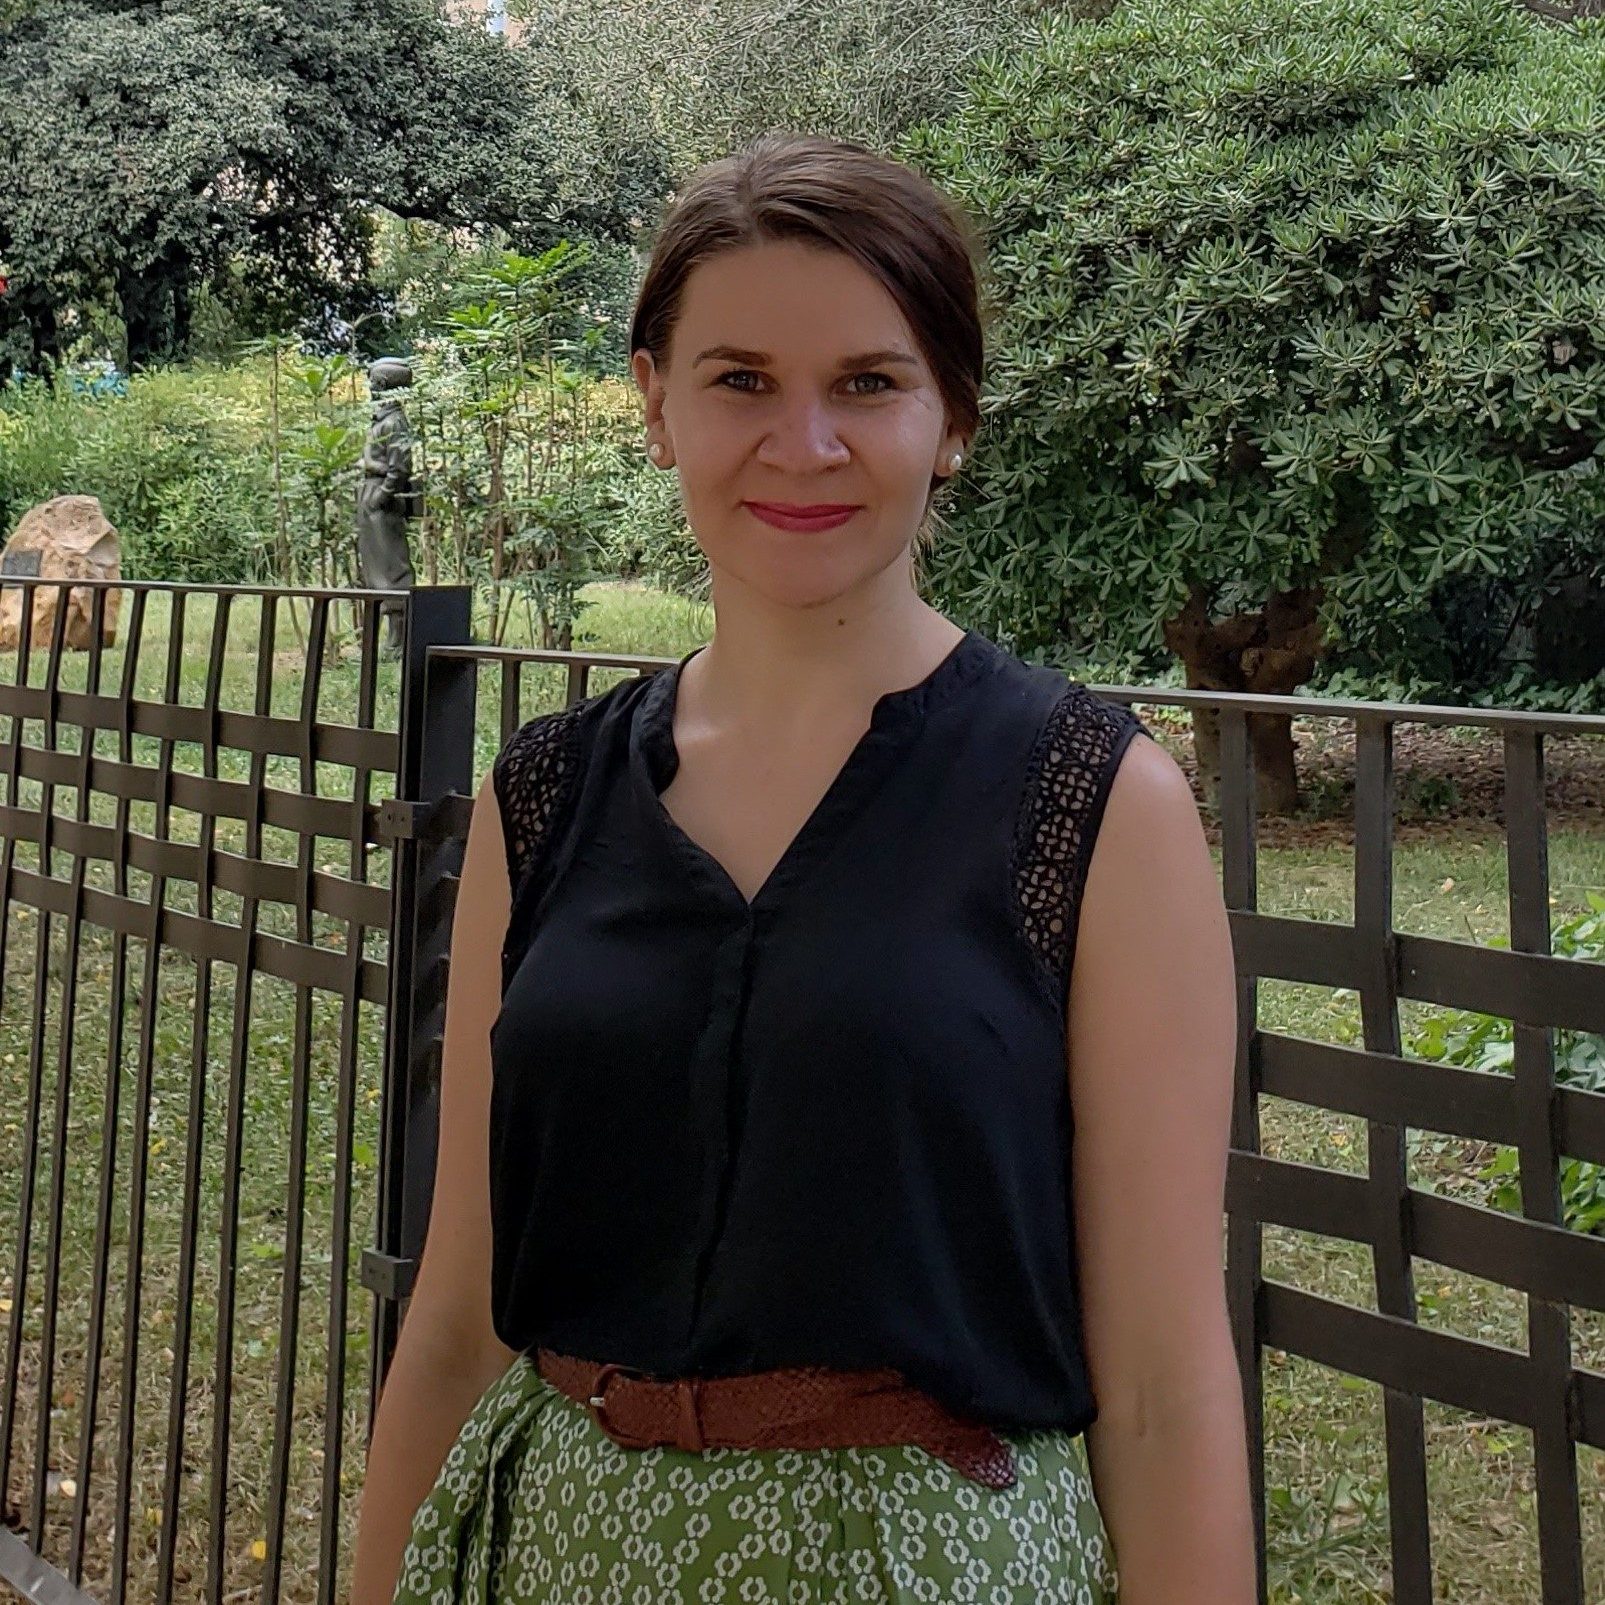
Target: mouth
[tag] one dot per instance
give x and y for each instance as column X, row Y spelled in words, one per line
column 791, row 515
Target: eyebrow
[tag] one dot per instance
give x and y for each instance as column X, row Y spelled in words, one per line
column 760, row 359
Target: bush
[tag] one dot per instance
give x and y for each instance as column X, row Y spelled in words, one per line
column 39, row 428
column 179, row 466
column 1301, row 311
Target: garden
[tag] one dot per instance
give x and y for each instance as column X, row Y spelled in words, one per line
column 1294, row 380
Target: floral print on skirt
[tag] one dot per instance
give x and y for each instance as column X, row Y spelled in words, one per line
column 536, row 1505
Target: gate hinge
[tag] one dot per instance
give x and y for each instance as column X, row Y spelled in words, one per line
column 389, row 1277
column 402, row 819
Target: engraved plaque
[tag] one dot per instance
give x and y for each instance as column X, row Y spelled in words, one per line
column 24, row 563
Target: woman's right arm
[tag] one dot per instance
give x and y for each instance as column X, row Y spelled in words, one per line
column 448, row 1352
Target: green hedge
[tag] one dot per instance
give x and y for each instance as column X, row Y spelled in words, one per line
column 180, row 466
column 1290, row 293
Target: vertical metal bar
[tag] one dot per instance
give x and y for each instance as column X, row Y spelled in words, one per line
column 149, row 1006
column 436, row 759
column 1560, row 1538
column 64, row 1041
column 1245, row 1265
column 8, row 846
column 114, row 1076
column 183, row 1310
column 19, row 1279
column 1387, row 1157
column 509, row 716
column 7, row 849
column 86, row 757
column 234, row 1121
column 339, row 1251
column 301, row 1075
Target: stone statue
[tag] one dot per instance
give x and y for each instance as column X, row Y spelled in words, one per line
column 387, row 496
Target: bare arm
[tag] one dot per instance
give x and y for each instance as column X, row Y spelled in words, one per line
column 1152, row 1031
column 448, row 1353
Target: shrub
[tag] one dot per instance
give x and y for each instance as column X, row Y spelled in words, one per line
column 1300, row 309
column 178, row 465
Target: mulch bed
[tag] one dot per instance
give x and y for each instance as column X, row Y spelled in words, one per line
column 1446, row 779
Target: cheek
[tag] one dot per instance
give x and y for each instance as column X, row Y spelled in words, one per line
column 712, row 441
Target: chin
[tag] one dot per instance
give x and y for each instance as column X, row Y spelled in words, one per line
column 800, row 591
column 793, row 573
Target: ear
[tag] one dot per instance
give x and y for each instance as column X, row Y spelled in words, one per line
column 649, row 381
column 952, row 441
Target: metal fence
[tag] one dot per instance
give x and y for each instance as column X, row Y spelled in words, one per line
column 270, row 1147
column 198, row 956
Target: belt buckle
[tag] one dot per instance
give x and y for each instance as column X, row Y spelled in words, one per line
column 597, row 1402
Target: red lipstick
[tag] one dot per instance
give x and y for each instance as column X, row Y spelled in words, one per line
column 811, row 517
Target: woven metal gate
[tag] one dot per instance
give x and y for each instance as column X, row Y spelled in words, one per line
column 208, row 988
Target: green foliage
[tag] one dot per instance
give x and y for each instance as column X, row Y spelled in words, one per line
column 121, row 125
column 1520, row 687
column 696, row 79
column 528, row 460
column 176, row 465
column 647, row 536
column 534, row 480
column 1287, row 294
column 154, row 150
column 1485, row 1043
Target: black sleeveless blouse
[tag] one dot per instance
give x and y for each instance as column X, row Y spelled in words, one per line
column 830, row 1126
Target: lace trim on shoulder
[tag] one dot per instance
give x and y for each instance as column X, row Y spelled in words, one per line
column 534, row 776
column 1067, row 783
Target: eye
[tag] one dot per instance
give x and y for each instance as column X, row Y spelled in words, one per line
column 734, row 379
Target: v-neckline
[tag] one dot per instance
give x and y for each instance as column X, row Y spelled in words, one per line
column 895, row 715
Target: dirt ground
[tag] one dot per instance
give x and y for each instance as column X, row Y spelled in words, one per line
column 1444, row 776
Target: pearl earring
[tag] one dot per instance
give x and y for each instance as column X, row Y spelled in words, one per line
column 655, row 451
column 954, row 461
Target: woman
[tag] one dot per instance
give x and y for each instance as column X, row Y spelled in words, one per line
column 777, row 1254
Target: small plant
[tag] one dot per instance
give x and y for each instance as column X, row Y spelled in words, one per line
column 1485, row 1043
column 1428, row 794
column 1333, row 1521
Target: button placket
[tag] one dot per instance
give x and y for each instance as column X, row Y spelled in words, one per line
column 712, row 1090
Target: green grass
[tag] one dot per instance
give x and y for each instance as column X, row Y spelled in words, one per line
column 1325, row 1460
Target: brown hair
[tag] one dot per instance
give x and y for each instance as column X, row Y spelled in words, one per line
column 889, row 218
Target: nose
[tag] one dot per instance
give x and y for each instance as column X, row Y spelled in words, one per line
column 803, row 439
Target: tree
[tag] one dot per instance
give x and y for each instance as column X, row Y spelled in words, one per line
column 698, row 78
column 151, row 145
column 1301, row 308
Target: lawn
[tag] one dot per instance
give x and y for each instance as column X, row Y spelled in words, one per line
column 318, row 1056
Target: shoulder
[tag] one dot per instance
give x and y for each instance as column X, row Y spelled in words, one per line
column 538, row 772
column 1082, row 742
column 1079, row 735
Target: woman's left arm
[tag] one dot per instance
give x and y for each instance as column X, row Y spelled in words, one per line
column 1152, row 1040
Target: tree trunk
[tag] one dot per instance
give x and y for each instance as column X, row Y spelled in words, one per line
column 44, row 334
column 146, row 303
column 1271, row 652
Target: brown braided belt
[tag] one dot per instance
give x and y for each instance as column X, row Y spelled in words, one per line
column 806, row 1408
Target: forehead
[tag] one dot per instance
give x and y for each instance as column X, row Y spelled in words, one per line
column 795, row 301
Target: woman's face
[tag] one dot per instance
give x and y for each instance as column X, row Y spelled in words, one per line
column 795, row 382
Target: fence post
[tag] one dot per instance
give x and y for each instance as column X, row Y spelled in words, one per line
column 436, row 760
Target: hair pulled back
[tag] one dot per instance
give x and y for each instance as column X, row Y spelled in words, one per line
column 839, row 196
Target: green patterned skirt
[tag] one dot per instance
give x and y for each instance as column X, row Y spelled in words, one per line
column 536, row 1505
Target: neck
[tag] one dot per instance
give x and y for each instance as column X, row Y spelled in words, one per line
column 775, row 666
